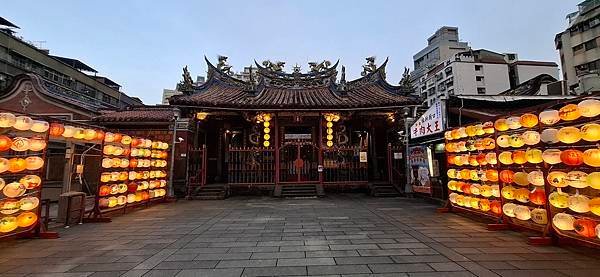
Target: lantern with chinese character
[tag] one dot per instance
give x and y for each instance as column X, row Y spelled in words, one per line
column 536, row 178
column 549, row 117
column 509, row 209
column 34, row 163
column 537, row 196
column 589, row 107
column 551, row 156
column 590, row 132
column 40, row 126
column 569, row 135
column 501, row 125
column 23, row 123
column 579, row 203
column 591, row 157
column 569, row 112
column 7, row 120
column 576, row 179
column 37, row 144
column 573, row 157
column 528, row 120
column 56, row 129
column 557, row 179
column 559, row 199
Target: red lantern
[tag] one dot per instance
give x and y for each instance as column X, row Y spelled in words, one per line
column 56, row 129
column 132, row 187
column 118, row 137
column 492, row 175
column 585, row 228
column 480, row 158
column 99, row 135
column 133, row 163
column 537, row 197
column 572, row 157
column 5, row 143
column 135, row 142
column 104, row 190
column 506, row 176
column 450, row 159
column 466, row 188
column 126, row 152
column 145, row 195
column 496, row 207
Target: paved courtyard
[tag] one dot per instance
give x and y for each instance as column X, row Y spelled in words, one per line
column 340, row 235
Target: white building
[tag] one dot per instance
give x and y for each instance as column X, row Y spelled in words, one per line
column 442, row 45
column 578, row 48
column 480, row 72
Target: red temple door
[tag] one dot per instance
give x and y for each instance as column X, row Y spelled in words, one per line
column 298, row 163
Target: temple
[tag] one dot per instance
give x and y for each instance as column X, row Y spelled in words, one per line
column 279, row 131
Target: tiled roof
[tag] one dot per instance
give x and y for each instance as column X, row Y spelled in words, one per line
column 138, row 114
column 531, row 86
column 296, row 90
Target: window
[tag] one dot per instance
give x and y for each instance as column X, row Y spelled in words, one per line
column 448, row 71
column 478, row 67
column 480, row 90
column 479, row 78
column 590, row 44
column 577, row 47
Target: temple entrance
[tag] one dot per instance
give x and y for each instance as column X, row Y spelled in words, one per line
column 298, row 155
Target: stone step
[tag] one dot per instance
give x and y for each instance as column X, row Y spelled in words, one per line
column 299, row 191
column 384, row 190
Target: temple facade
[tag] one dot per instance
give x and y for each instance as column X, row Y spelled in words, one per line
column 277, row 132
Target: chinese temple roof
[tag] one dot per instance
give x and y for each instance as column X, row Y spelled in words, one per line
column 138, row 114
column 271, row 88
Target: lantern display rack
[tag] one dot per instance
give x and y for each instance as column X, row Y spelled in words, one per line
column 471, row 161
column 521, row 172
column 556, row 151
column 23, row 143
column 148, row 169
column 113, row 187
column 574, row 169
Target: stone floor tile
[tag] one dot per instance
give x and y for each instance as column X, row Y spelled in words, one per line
column 337, row 269
column 497, row 265
column 363, row 260
column 336, row 253
column 277, row 255
column 420, row 259
column 385, row 252
column 389, row 268
column 108, row 274
column 229, row 272
column 103, row 267
column 162, row 273
column 185, row 264
column 274, row 271
column 446, row 266
column 41, row 268
column 305, row 261
column 247, row 263
column 223, row 256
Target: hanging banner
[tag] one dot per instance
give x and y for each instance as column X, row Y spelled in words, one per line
column 419, row 169
column 431, row 122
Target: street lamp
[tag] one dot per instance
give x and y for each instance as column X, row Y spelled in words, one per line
column 176, row 115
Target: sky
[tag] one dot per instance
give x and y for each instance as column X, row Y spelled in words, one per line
column 143, row 45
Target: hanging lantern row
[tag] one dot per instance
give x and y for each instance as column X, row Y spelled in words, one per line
column 116, row 176
column 265, row 119
column 329, row 119
column 21, row 144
